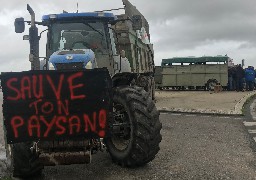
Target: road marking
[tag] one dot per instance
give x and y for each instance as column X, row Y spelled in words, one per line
column 164, row 113
column 238, row 118
column 226, row 117
column 190, row 115
column 252, row 131
column 249, row 123
column 176, row 114
column 253, row 110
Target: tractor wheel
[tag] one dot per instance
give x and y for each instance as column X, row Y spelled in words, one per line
column 136, row 128
column 210, row 84
column 21, row 161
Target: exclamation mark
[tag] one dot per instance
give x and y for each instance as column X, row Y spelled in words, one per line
column 102, row 122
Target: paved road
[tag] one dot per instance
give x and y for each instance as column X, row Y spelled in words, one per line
column 250, row 123
column 193, row 147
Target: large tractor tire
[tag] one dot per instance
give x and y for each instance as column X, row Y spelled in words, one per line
column 136, row 128
column 21, row 161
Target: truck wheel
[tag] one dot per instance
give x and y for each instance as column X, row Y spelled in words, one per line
column 136, row 128
column 21, row 161
column 211, row 83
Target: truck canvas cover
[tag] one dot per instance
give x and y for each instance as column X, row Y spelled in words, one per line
column 56, row 105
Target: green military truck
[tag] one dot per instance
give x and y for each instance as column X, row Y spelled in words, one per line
column 193, row 72
column 158, row 77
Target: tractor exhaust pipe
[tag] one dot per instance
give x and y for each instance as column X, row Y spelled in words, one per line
column 33, row 41
column 32, row 14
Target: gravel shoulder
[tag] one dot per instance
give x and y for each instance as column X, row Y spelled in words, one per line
column 225, row 102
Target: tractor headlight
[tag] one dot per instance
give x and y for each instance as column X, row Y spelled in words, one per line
column 52, row 16
column 51, row 67
column 88, row 65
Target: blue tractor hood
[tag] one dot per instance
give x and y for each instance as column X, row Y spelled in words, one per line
column 72, row 56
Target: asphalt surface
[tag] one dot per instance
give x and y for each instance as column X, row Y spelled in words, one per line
column 193, row 147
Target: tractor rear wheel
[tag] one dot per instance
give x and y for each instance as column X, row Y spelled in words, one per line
column 136, row 128
column 21, row 161
column 211, row 83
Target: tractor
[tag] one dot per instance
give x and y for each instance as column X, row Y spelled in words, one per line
column 113, row 56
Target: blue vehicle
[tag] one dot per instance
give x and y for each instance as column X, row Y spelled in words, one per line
column 91, row 43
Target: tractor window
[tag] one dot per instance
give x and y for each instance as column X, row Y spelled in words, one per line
column 66, row 36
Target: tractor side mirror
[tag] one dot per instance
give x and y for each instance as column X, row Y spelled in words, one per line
column 136, row 22
column 19, row 25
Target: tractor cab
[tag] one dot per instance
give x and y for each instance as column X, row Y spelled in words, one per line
column 90, row 40
column 79, row 40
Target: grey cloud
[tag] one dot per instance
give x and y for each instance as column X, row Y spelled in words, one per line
column 199, row 9
column 247, row 45
column 175, row 25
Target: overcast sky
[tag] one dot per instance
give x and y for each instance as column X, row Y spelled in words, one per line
column 178, row 28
